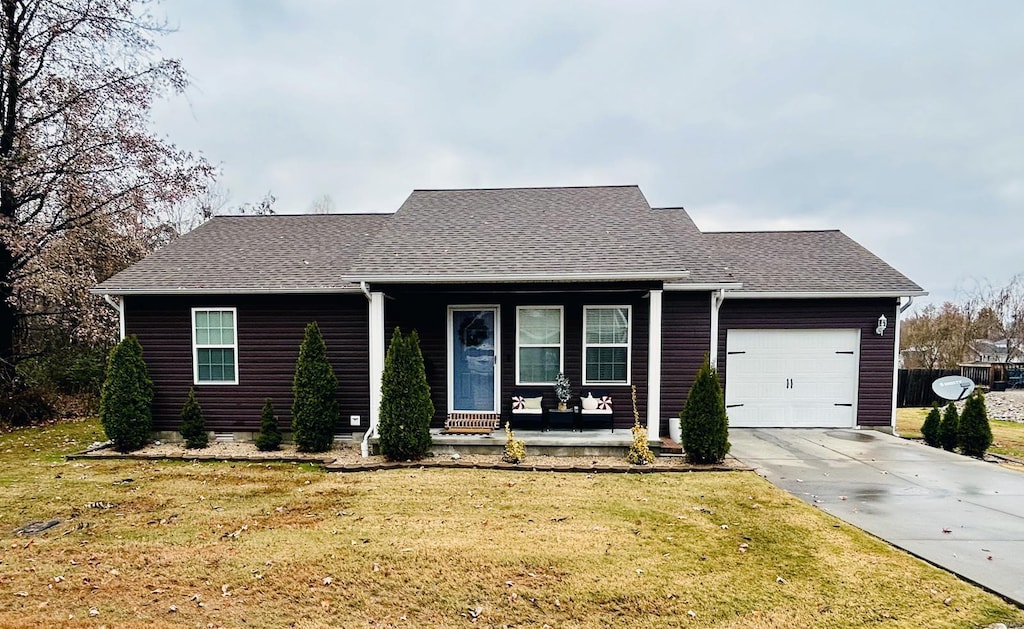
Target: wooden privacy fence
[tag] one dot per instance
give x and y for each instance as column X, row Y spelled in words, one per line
column 914, row 386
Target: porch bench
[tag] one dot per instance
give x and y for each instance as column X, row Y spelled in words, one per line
column 527, row 407
column 603, row 411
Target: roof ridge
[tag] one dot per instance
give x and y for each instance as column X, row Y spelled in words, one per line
column 251, row 216
column 591, row 187
column 775, row 231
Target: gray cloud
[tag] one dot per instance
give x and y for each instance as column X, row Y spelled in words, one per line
column 896, row 122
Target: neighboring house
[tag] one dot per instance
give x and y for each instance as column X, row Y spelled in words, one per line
column 992, row 352
column 507, row 287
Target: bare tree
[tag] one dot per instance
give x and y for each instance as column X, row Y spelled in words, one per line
column 323, row 204
column 78, row 163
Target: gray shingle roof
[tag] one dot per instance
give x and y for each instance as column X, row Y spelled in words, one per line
column 504, row 234
column 254, row 253
column 522, row 232
column 805, row 261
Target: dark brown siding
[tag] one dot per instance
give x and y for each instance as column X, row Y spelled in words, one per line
column 685, row 340
column 874, row 394
column 426, row 311
column 270, row 329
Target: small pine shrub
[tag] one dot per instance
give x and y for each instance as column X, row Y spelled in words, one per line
column 705, row 425
column 315, row 408
column 949, row 428
column 269, row 437
column 930, row 429
column 974, row 435
column 126, row 396
column 639, row 451
column 193, row 425
column 515, row 449
column 405, row 407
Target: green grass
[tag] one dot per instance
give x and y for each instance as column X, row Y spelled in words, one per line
column 275, row 545
column 1007, row 437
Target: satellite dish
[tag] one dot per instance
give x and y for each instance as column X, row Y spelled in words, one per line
column 953, row 387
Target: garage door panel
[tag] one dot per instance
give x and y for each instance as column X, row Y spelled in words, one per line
column 805, row 378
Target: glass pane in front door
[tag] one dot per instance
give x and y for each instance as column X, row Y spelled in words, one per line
column 473, row 360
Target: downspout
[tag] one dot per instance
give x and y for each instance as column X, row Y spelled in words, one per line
column 903, row 308
column 363, row 286
column 717, row 297
column 117, row 305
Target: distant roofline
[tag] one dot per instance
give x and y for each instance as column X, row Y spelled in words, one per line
column 828, row 294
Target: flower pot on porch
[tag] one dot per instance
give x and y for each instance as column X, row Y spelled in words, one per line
column 561, row 406
column 675, row 430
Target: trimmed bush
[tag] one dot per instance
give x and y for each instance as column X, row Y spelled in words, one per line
column 193, row 425
column 975, row 435
column 125, row 398
column 315, row 407
column 704, row 423
column 639, row 450
column 949, row 428
column 515, row 449
column 269, row 437
column 405, row 406
column 930, row 429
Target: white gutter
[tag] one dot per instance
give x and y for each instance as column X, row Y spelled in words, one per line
column 221, row 291
column 822, row 294
column 363, row 286
column 704, row 286
column 118, row 305
column 525, row 277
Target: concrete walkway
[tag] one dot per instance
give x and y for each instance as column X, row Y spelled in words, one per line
column 962, row 514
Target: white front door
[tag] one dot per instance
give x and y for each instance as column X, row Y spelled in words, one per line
column 792, row 378
column 473, row 382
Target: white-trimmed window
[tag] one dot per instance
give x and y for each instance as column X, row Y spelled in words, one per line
column 214, row 346
column 607, row 334
column 538, row 344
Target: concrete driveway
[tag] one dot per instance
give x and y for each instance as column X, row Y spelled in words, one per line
column 959, row 513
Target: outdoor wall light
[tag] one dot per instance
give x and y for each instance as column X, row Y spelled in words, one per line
column 880, row 330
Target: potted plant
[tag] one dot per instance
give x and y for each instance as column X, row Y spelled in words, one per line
column 562, row 390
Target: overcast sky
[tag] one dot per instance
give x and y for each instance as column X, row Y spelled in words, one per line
column 901, row 123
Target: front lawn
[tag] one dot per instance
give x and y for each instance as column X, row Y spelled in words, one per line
column 1007, row 437
column 171, row 543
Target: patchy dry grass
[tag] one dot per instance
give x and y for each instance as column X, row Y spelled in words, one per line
column 221, row 544
column 1007, row 437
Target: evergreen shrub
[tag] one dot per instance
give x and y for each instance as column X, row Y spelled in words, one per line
column 406, row 407
column 704, row 423
column 930, row 429
column 126, row 396
column 949, row 428
column 975, row 434
column 193, row 425
column 269, row 437
column 315, row 407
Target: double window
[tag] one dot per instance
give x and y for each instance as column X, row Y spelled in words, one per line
column 214, row 346
column 540, row 344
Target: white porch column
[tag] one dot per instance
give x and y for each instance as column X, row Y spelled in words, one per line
column 654, row 369
column 376, row 356
column 120, row 317
column 896, row 362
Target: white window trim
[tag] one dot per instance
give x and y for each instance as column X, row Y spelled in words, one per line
column 233, row 345
column 628, row 345
column 561, row 343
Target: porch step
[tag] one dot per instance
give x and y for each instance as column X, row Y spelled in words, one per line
column 670, row 447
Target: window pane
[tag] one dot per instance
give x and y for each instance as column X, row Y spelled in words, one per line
column 216, row 365
column 540, row 326
column 538, row 364
column 606, row 364
column 607, row 325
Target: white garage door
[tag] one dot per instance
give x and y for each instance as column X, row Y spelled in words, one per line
column 792, row 378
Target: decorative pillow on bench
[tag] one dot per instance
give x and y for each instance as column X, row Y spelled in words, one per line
column 527, row 405
column 600, row 405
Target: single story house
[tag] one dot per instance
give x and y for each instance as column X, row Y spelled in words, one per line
column 507, row 288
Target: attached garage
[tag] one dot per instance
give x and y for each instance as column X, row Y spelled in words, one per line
column 792, row 378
